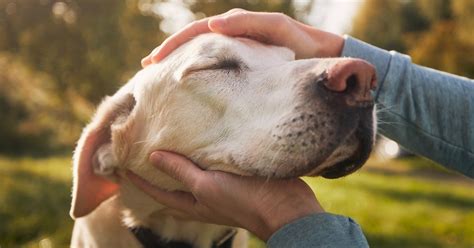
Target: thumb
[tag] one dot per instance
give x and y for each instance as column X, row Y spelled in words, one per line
column 178, row 167
column 177, row 199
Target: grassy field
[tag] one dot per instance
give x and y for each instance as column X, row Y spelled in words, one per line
column 403, row 203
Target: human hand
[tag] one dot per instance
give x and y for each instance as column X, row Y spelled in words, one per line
column 272, row 28
column 256, row 204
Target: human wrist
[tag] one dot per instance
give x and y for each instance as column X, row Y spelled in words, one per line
column 326, row 44
column 271, row 221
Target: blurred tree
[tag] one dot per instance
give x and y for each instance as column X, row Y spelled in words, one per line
column 214, row 7
column 72, row 53
column 380, row 23
column 85, row 49
column 27, row 107
column 436, row 33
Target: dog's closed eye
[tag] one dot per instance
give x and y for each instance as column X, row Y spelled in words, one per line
column 222, row 64
column 227, row 64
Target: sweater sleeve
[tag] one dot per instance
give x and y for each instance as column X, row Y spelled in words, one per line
column 429, row 112
column 319, row 230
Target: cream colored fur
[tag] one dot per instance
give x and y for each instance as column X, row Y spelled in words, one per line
column 222, row 118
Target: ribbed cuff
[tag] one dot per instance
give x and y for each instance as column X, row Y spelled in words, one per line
column 319, row 230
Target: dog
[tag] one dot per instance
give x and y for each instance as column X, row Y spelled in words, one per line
column 228, row 104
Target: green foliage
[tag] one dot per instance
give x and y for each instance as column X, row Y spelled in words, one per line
column 28, row 107
column 403, row 203
column 377, row 23
column 80, row 51
column 436, row 33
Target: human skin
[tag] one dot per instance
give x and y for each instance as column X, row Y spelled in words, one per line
column 304, row 40
column 259, row 205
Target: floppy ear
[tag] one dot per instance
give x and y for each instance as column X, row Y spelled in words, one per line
column 89, row 189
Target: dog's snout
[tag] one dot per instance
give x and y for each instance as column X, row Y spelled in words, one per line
column 354, row 78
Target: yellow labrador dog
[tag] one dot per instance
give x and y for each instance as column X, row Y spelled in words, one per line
column 228, row 104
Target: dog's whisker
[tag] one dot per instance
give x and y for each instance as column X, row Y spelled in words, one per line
column 140, row 142
column 277, row 153
column 383, row 108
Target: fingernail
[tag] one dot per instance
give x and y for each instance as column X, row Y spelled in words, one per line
column 145, row 62
column 155, row 51
column 156, row 158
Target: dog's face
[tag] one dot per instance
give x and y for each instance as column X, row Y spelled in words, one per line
column 234, row 105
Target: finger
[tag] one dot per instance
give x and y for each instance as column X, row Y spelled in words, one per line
column 177, row 39
column 147, row 60
column 177, row 214
column 246, row 23
column 172, row 199
column 178, row 167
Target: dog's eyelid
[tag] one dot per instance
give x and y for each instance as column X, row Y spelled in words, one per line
column 226, row 63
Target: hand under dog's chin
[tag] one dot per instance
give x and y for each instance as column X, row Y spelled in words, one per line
column 231, row 169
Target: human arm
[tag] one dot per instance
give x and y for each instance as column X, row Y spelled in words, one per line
column 429, row 112
column 284, row 212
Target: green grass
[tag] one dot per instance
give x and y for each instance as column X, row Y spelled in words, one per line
column 405, row 203
column 34, row 202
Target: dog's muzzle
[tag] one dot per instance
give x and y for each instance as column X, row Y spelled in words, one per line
column 352, row 81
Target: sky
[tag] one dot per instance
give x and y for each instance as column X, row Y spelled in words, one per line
column 333, row 15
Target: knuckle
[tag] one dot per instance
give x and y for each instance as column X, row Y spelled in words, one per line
column 198, row 184
column 191, row 25
column 246, row 17
column 283, row 21
column 281, row 18
column 236, row 10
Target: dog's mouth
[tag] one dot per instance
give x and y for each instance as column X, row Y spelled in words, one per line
column 334, row 145
column 356, row 160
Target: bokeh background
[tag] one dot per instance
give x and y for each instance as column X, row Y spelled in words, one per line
column 59, row 58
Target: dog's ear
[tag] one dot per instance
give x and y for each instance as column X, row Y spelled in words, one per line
column 90, row 189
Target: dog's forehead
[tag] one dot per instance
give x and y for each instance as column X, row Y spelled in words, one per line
column 162, row 77
column 209, row 45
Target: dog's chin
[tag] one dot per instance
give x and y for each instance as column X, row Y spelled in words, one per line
column 347, row 166
column 352, row 161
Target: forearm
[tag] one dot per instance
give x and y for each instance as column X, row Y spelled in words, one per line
column 427, row 111
column 319, row 230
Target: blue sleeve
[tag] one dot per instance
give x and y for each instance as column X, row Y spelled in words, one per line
column 429, row 112
column 319, row 230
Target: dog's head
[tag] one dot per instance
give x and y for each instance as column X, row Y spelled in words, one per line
column 234, row 105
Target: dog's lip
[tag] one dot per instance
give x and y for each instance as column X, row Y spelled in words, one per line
column 356, row 160
column 345, row 167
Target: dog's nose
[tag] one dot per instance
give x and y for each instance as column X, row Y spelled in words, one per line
column 354, row 78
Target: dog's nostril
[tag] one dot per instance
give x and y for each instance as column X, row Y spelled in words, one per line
column 351, row 83
column 353, row 79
